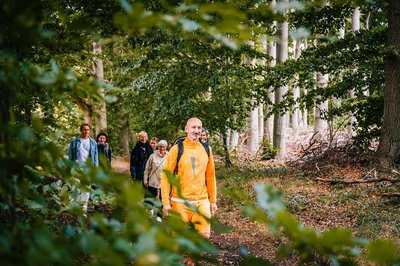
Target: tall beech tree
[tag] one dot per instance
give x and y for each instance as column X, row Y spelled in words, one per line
column 389, row 142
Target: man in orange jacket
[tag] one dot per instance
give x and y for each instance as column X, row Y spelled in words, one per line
column 196, row 175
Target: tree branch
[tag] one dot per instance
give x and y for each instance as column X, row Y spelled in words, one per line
column 358, row 181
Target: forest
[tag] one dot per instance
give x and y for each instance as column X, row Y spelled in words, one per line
column 301, row 100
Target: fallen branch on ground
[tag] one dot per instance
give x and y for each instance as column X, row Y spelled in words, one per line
column 391, row 195
column 358, row 181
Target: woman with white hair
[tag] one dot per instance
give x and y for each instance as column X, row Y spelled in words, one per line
column 154, row 168
column 139, row 156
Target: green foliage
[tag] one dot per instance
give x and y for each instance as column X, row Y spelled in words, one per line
column 383, row 252
column 268, row 151
column 355, row 62
column 171, row 62
column 41, row 217
column 42, row 221
column 322, row 19
column 335, row 246
column 184, row 81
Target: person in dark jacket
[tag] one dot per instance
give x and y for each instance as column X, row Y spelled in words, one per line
column 104, row 149
column 139, row 156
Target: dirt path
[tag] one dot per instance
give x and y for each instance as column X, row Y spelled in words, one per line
column 317, row 205
column 242, row 234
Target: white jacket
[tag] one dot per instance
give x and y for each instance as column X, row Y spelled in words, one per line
column 154, row 168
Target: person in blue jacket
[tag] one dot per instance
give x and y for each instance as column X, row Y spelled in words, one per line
column 83, row 149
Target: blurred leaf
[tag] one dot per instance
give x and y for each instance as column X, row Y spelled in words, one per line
column 269, row 199
column 383, row 251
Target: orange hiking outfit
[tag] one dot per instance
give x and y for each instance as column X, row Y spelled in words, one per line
column 196, row 175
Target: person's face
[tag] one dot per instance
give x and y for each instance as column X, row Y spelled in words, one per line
column 193, row 129
column 203, row 136
column 85, row 132
column 162, row 149
column 102, row 139
column 153, row 144
column 143, row 138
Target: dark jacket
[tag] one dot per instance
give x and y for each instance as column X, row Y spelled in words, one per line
column 139, row 156
column 104, row 150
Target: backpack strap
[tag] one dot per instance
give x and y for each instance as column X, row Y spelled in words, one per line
column 206, row 147
column 180, row 151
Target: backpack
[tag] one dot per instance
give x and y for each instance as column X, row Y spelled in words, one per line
column 179, row 141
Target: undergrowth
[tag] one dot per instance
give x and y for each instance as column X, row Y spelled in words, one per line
column 359, row 207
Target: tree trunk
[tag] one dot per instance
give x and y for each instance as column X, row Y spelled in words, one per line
column 304, row 115
column 355, row 27
column 234, row 140
column 296, row 93
column 281, row 120
column 252, row 132
column 87, row 111
column 253, row 140
column 260, row 124
column 228, row 162
column 123, row 131
column 389, row 143
column 100, row 111
column 321, row 108
column 271, row 93
column 5, row 107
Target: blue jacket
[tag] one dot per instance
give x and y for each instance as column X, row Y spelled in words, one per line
column 74, row 150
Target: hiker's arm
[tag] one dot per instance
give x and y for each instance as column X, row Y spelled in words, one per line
column 166, row 209
column 213, row 208
column 169, row 165
column 132, row 164
column 148, row 170
column 210, row 179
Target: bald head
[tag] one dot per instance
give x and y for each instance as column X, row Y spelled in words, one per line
column 193, row 128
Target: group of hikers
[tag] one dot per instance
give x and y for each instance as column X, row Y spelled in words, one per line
column 190, row 159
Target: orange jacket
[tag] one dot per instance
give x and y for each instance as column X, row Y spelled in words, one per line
column 196, row 173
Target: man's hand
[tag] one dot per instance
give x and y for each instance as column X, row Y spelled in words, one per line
column 166, row 209
column 213, row 208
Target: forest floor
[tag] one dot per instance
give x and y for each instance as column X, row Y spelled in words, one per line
column 324, row 185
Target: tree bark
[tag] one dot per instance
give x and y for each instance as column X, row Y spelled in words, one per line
column 87, row 110
column 100, row 111
column 355, row 26
column 296, row 93
column 228, row 162
column 123, row 131
column 320, row 123
column 253, row 140
column 252, row 132
column 260, row 123
column 389, row 143
column 271, row 93
column 281, row 120
column 304, row 115
column 234, row 140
